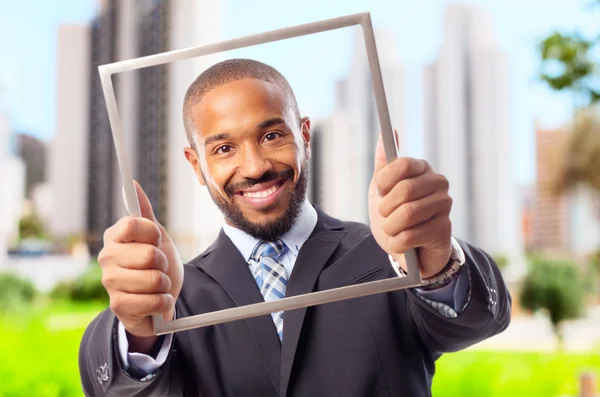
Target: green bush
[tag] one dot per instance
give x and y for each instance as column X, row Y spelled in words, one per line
column 556, row 287
column 594, row 269
column 15, row 291
column 501, row 261
column 88, row 287
column 30, row 226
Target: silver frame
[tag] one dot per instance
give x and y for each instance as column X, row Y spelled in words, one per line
column 413, row 277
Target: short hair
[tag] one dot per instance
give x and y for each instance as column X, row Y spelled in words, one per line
column 227, row 72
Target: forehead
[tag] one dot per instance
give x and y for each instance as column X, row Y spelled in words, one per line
column 238, row 105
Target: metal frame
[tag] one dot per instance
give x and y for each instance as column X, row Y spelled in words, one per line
column 412, row 279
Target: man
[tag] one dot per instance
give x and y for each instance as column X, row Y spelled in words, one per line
column 250, row 147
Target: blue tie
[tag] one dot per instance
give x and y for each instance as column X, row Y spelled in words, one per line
column 270, row 276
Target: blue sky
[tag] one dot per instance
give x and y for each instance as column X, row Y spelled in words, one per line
column 28, row 32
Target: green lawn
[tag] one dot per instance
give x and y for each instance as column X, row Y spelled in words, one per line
column 503, row 374
column 39, row 348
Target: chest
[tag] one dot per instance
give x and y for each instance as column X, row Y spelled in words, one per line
column 347, row 348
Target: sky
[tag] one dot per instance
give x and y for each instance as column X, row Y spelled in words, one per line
column 28, row 34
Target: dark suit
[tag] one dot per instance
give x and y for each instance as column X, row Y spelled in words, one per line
column 381, row 345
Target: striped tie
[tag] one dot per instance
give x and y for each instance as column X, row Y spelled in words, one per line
column 270, row 275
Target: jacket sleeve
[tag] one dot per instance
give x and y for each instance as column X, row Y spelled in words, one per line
column 486, row 313
column 101, row 370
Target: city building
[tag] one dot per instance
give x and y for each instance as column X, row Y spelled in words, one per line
column 562, row 223
column 33, row 153
column 12, row 191
column 67, row 165
column 468, row 131
column 550, row 215
column 84, row 175
column 101, row 163
column 348, row 138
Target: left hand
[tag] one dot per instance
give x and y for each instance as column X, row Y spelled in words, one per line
column 409, row 207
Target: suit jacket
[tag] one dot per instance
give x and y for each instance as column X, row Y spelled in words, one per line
column 380, row 345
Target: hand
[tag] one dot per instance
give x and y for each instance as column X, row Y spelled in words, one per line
column 409, row 207
column 142, row 273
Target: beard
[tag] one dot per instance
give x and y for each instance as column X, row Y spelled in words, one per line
column 268, row 231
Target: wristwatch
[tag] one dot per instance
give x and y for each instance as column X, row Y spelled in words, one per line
column 447, row 274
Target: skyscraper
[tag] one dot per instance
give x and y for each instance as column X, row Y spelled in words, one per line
column 100, row 212
column 12, row 190
column 33, row 152
column 190, row 215
column 67, row 172
column 468, row 133
column 349, row 137
column 550, row 217
column 150, row 102
column 561, row 222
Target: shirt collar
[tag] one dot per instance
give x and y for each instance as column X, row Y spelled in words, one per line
column 293, row 238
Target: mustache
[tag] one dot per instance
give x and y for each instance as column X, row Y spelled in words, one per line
column 232, row 188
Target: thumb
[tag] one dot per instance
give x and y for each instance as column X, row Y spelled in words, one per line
column 380, row 159
column 144, row 201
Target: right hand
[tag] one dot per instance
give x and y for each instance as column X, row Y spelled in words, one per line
column 142, row 272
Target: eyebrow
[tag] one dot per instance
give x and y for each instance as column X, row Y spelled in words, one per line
column 271, row 122
column 223, row 135
column 215, row 138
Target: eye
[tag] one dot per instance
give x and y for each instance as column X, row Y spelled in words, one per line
column 271, row 136
column 223, row 149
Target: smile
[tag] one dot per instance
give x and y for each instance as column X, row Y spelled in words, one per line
column 262, row 193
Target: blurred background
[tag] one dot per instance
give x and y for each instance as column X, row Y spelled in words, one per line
column 501, row 97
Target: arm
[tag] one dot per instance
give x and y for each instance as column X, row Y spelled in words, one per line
column 140, row 365
column 486, row 313
column 103, row 374
column 137, row 363
column 449, row 300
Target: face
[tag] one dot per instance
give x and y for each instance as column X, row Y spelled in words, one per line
column 252, row 155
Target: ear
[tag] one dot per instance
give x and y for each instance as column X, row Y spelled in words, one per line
column 192, row 157
column 305, row 131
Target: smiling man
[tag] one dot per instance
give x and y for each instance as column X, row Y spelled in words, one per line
column 250, row 147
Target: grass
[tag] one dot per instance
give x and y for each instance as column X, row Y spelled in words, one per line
column 515, row 374
column 39, row 350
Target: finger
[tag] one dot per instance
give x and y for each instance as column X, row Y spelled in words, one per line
column 414, row 213
column 135, row 307
column 133, row 229
column 145, row 204
column 421, row 235
column 410, row 190
column 136, row 281
column 398, row 170
column 380, row 159
column 136, row 256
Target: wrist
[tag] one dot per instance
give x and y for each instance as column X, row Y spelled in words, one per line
column 450, row 271
column 148, row 345
column 142, row 344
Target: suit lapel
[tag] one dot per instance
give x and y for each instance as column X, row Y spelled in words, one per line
column 227, row 266
column 313, row 256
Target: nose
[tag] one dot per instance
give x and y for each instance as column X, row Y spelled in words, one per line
column 253, row 163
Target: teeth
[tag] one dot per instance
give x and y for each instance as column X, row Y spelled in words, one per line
column 262, row 193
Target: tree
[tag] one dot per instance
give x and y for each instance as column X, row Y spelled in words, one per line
column 569, row 64
column 30, row 226
column 581, row 165
column 557, row 288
